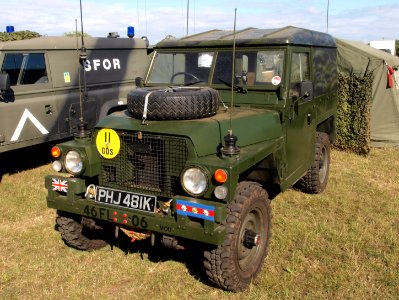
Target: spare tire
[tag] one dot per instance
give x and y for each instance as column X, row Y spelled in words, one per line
column 179, row 103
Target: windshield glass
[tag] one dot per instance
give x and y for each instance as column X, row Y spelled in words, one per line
column 182, row 68
column 252, row 68
column 255, row 68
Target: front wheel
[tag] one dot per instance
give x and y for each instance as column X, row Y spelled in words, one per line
column 81, row 233
column 237, row 262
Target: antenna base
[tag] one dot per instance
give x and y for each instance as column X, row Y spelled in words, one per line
column 230, row 148
column 82, row 130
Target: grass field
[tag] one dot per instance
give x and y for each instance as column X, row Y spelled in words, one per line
column 341, row 244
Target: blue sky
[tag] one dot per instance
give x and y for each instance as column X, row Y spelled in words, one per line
column 351, row 19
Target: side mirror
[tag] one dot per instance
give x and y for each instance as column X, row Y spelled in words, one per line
column 4, row 82
column 139, row 82
column 306, row 90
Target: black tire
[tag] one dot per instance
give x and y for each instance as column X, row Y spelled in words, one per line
column 316, row 178
column 173, row 103
column 235, row 264
column 80, row 233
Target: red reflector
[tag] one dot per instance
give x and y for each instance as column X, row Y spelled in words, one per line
column 220, row 176
column 55, row 152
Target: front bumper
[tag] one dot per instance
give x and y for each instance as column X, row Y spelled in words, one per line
column 182, row 216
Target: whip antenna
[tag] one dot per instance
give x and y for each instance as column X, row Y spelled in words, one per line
column 230, row 148
column 82, row 126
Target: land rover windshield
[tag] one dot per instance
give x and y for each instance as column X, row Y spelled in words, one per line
column 253, row 68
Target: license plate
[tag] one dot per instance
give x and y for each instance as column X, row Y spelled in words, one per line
column 124, row 199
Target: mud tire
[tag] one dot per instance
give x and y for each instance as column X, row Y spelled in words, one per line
column 316, row 178
column 76, row 235
column 233, row 265
column 173, row 103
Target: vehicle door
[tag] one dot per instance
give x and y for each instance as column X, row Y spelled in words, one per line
column 301, row 127
column 27, row 113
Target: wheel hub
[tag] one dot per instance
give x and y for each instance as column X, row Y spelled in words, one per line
column 251, row 239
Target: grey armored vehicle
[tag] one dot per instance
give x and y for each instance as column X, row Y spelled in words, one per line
column 41, row 79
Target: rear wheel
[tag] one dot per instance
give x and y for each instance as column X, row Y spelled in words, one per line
column 315, row 179
column 80, row 232
column 237, row 262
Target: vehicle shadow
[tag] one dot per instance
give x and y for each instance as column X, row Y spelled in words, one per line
column 192, row 256
column 18, row 160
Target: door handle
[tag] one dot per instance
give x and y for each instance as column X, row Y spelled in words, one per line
column 48, row 109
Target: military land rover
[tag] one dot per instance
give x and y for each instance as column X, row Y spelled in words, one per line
column 41, row 82
column 203, row 147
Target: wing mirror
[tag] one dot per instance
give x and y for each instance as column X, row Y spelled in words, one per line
column 306, row 90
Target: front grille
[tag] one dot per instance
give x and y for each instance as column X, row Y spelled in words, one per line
column 146, row 163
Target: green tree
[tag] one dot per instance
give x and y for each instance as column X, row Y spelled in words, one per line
column 397, row 47
column 18, row 35
column 74, row 33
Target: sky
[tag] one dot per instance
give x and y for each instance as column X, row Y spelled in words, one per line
column 360, row 20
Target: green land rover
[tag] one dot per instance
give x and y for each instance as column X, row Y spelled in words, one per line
column 204, row 145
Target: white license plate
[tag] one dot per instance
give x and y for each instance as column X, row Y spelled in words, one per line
column 146, row 203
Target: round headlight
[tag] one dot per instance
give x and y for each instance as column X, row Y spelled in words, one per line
column 73, row 162
column 194, row 181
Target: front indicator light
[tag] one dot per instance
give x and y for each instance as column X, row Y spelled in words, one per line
column 57, row 166
column 73, row 162
column 221, row 192
column 220, row 176
column 194, row 181
column 55, row 152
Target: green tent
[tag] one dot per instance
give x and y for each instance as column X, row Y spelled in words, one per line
column 360, row 59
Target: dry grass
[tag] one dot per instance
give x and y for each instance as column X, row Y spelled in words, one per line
column 340, row 244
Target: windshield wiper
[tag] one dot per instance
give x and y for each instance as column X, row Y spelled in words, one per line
column 237, row 88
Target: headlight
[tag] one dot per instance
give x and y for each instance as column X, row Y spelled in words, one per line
column 73, row 162
column 194, row 181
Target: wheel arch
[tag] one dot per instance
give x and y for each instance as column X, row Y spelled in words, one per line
column 328, row 126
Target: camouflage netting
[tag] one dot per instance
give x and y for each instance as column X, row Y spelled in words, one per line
column 353, row 121
column 18, row 35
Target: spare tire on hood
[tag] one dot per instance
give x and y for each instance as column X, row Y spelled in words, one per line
column 175, row 103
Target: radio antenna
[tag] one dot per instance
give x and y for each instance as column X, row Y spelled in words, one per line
column 82, row 126
column 230, row 148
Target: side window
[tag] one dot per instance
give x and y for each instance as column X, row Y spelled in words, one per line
column 300, row 71
column 25, row 68
column 12, row 65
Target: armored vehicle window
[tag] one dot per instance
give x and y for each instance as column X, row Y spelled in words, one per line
column 25, row 68
column 300, row 71
column 251, row 68
column 12, row 65
column 181, row 68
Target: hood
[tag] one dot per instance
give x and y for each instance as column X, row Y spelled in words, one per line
column 250, row 125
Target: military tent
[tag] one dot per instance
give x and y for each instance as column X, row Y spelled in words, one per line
column 360, row 59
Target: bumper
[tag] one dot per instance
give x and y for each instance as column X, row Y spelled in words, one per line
column 184, row 217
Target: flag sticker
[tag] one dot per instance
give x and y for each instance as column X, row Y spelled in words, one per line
column 108, row 143
column 67, row 77
column 197, row 210
column 59, row 185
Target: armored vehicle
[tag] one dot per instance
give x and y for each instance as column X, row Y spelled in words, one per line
column 203, row 147
column 41, row 80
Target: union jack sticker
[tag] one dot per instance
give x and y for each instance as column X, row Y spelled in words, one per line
column 59, row 185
